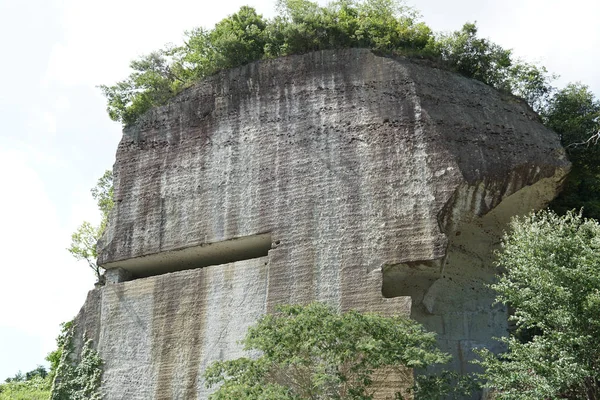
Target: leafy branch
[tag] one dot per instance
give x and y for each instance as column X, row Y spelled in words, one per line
column 302, row 26
column 84, row 240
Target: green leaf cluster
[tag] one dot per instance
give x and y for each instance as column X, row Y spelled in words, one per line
column 75, row 378
column 103, row 193
column 384, row 25
column 62, row 340
column 313, row 352
column 37, row 383
column 574, row 113
column 33, row 385
column 552, row 280
column 38, row 372
column 84, row 240
column 34, row 388
column 245, row 36
column 481, row 59
column 302, row 26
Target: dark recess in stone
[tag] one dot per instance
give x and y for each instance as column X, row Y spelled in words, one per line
column 204, row 255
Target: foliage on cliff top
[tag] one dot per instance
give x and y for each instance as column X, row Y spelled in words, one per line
column 313, row 352
column 552, row 280
column 302, row 26
column 574, row 113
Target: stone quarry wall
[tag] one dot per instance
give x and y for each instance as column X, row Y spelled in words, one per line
column 373, row 183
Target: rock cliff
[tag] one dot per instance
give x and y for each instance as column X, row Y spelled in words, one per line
column 373, row 183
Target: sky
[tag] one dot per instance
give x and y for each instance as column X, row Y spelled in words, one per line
column 56, row 139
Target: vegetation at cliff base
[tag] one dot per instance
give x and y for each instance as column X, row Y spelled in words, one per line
column 552, row 280
column 70, row 377
column 36, row 384
column 313, row 352
column 78, row 379
column 33, row 385
column 301, row 26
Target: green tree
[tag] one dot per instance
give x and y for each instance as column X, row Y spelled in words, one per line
column 37, row 383
column 301, row 26
column 19, row 377
column 71, row 376
column 475, row 57
column 481, row 59
column 574, row 113
column 313, row 352
column 36, row 388
column 39, row 371
column 159, row 76
column 530, row 82
column 243, row 37
column 85, row 238
column 151, row 83
column 33, row 385
column 239, row 38
column 384, row 25
column 103, row 193
column 552, row 280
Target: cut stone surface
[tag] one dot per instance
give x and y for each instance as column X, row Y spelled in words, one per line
column 382, row 183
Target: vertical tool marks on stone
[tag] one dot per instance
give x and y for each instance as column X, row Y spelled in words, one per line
column 156, row 335
column 178, row 331
column 353, row 162
column 125, row 340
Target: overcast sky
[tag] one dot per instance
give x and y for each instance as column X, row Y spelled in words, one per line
column 56, row 139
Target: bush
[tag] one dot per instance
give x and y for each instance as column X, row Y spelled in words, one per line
column 574, row 113
column 302, row 26
column 36, row 388
column 552, row 280
column 33, row 385
column 313, row 352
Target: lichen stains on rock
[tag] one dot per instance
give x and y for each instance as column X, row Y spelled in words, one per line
column 353, row 162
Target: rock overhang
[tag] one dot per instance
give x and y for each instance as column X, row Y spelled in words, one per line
column 443, row 129
column 204, row 255
column 372, row 183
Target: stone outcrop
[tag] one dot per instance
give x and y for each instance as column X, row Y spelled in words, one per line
column 372, row 183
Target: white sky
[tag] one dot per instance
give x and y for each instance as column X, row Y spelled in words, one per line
column 56, row 139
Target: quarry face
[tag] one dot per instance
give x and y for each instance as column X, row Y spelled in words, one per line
column 366, row 182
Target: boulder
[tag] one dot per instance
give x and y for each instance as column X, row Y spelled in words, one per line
column 367, row 182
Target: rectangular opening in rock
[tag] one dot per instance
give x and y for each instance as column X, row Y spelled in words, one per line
column 410, row 279
column 224, row 252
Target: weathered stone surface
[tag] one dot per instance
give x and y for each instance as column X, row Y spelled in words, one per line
column 157, row 334
column 380, row 182
column 117, row 275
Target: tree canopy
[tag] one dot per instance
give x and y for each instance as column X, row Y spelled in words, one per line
column 574, row 113
column 85, row 239
column 313, row 352
column 301, row 26
column 486, row 61
column 552, row 280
